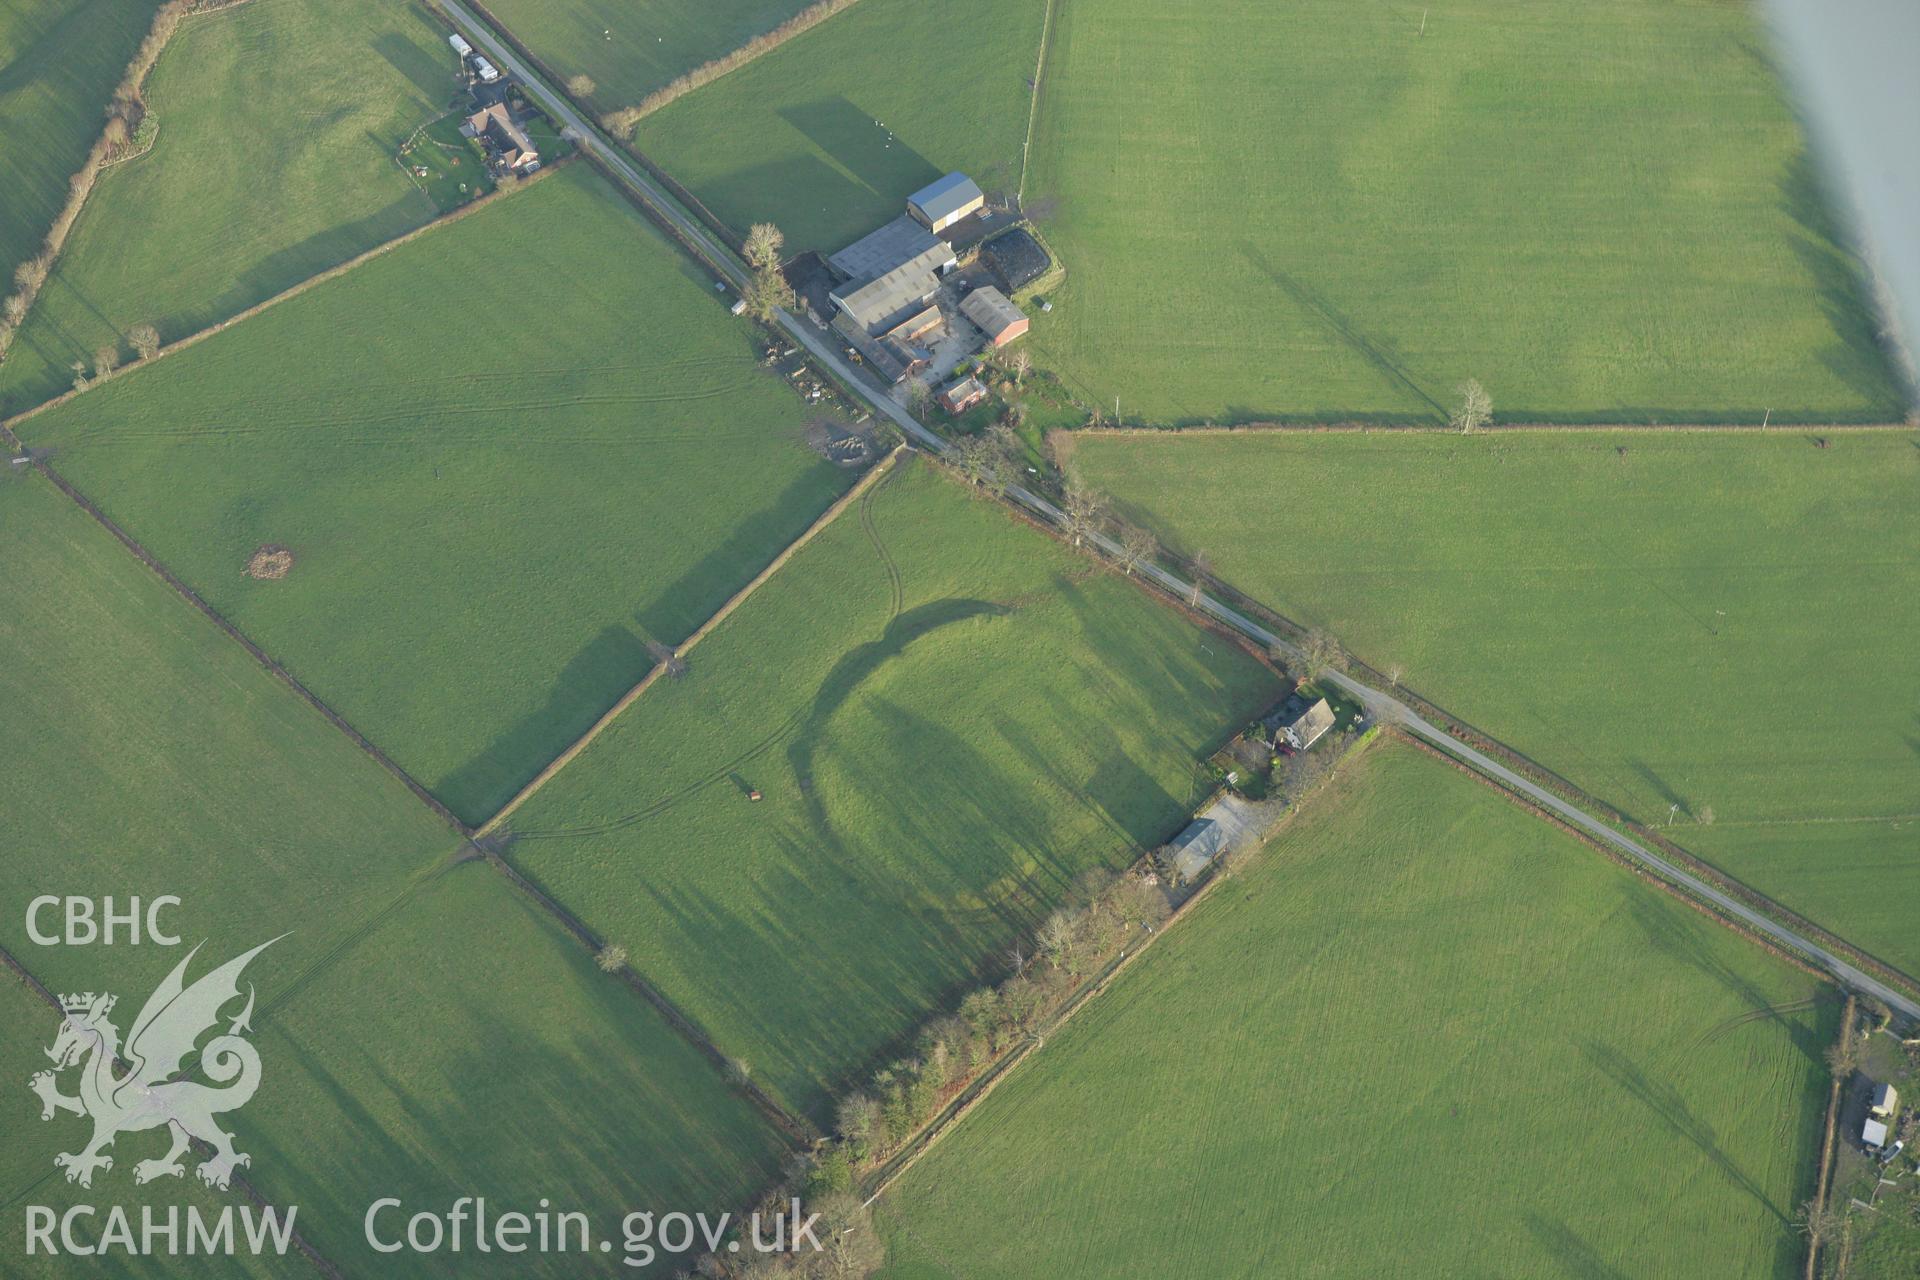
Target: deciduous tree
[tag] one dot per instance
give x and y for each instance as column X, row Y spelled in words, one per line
column 1476, row 407
column 762, row 246
column 1318, row 652
column 1137, row 547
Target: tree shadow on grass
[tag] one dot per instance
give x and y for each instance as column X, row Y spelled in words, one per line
column 1669, row 1106
column 1570, row 1251
column 1679, row 935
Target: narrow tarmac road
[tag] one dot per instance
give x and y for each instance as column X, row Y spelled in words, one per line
column 723, row 261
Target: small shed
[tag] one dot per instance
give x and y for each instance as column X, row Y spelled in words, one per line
column 1192, row 850
column 945, row 201
column 997, row 317
column 1873, row 1135
column 962, row 394
column 1886, row 1100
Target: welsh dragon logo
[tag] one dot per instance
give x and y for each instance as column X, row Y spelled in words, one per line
column 130, row 1087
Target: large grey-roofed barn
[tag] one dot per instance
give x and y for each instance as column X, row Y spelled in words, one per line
column 881, row 303
column 879, row 252
column 945, row 200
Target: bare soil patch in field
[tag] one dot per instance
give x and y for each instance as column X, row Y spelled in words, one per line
column 270, row 563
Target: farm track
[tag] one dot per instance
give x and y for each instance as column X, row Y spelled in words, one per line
column 880, row 548
column 1755, row 1015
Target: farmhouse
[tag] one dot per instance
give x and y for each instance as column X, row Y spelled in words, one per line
column 1300, row 724
column 998, row 318
column 962, row 394
column 941, row 203
column 496, row 131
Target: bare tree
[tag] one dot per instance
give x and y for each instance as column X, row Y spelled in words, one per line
column 32, row 273
column 1395, row 674
column 1843, row 1057
column 79, row 368
column 1202, row 566
column 739, row 1070
column 1136, row 548
column 664, row 655
column 1820, row 1222
column 1084, row 510
column 767, row 293
column 919, row 395
column 611, row 958
column 145, row 339
column 1020, row 363
column 15, row 308
column 973, row 458
column 1318, row 652
column 850, row 1247
column 1476, row 408
column 106, row 358
column 763, row 244
column 581, row 85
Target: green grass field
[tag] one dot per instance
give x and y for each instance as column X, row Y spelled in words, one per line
column 470, row 1048
column 503, row 455
column 424, row 1031
column 59, row 63
column 28, row 1175
column 278, row 125
column 1718, row 620
column 939, row 760
column 1313, row 211
column 1423, row 1025
column 147, row 754
column 630, row 50
column 829, row 134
